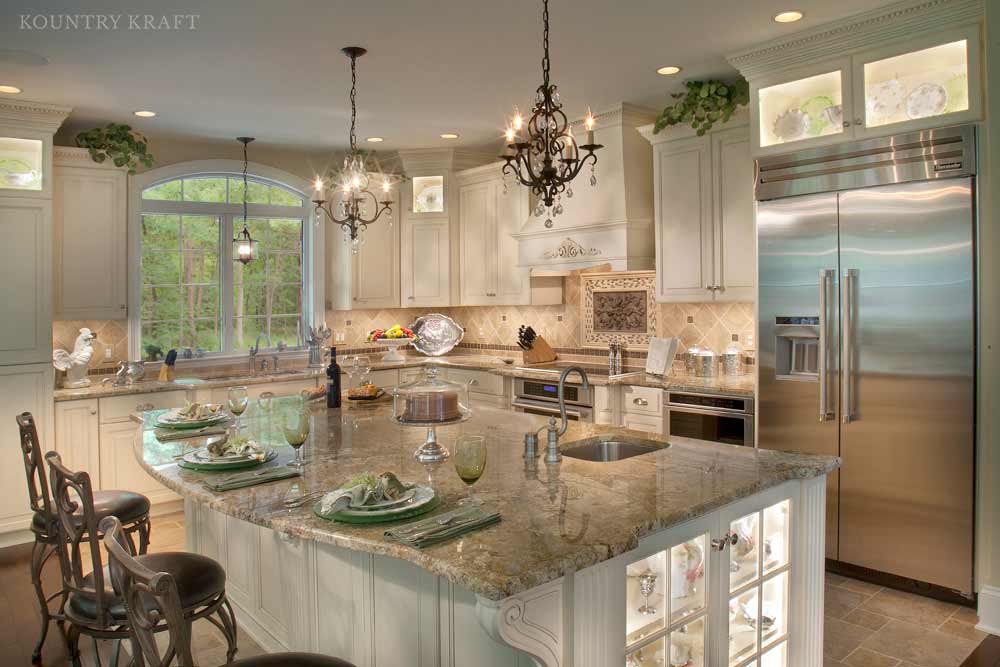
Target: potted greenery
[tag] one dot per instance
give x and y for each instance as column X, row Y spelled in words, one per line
column 703, row 104
column 123, row 145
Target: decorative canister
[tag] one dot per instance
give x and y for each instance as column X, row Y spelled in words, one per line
column 732, row 359
column 706, row 363
column 689, row 358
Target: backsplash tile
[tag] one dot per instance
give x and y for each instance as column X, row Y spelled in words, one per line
column 109, row 332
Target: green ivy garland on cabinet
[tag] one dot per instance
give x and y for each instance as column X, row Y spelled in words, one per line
column 124, row 146
column 703, row 104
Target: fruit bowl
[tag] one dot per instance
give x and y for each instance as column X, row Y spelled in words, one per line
column 392, row 338
column 393, row 344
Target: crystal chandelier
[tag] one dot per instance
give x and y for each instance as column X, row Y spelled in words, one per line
column 353, row 181
column 548, row 158
column 244, row 245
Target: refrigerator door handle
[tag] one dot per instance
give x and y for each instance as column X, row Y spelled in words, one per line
column 847, row 351
column 824, row 323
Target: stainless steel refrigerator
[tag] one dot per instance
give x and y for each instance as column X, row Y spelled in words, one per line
column 867, row 334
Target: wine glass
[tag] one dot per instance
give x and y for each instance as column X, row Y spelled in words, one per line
column 265, row 405
column 295, row 427
column 238, row 401
column 360, row 366
column 470, row 460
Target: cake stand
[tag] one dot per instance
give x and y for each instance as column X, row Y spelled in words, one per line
column 431, row 450
column 393, row 355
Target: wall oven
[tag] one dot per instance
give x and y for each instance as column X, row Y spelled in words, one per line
column 711, row 417
column 539, row 397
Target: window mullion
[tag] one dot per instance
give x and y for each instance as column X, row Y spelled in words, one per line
column 226, row 280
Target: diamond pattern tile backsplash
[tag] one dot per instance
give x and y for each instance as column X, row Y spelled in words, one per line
column 712, row 324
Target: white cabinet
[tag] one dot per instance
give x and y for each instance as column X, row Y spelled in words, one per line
column 286, row 388
column 119, row 467
column 604, row 404
column 931, row 78
column 22, row 389
column 642, row 408
column 26, row 280
column 78, row 435
column 488, row 216
column 705, row 236
column 425, row 263
column 89, row 223
column 375, row 275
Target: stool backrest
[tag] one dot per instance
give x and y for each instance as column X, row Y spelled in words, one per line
column 77, row 522
column 151, row 598
column 34, row 469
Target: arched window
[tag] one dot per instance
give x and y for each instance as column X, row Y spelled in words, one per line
column 190, row 293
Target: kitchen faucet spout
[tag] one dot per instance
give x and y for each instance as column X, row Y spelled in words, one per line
column 585, row 384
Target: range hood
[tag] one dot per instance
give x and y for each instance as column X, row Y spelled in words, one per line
column 611, row 223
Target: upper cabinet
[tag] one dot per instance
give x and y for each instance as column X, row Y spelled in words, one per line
column 925, row 73
column 489, row 213
column 425, row 263
column 375, row 281
column 89, row 220
column 703, row 194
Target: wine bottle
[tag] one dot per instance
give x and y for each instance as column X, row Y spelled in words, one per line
column 333, row 386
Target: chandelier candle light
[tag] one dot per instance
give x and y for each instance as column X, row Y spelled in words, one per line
column 244, row 245
column 354, row 180
column 548, row 158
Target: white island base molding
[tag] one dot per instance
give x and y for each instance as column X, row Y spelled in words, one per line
column 742, row 585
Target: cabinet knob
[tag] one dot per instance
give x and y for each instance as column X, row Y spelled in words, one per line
column 474, row 382
column 410, row 298
column 640, row 401
column 859, row 121
column 729, row 538
column 93, row 411
column 847, row 124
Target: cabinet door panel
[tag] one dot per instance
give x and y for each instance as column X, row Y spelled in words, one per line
column 120, row 468
column 513, row 281
column 426, row 253
column 78, row 437
column 22, row 389
column 376, row 266
column 26, row 281
column 735, row 261
column 477, row 215
column 90, row 232
column 683, row 226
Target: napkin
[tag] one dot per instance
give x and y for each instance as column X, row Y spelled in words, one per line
column 341, row 499
column 167, row 435
column 251, row 478
column 443, row 527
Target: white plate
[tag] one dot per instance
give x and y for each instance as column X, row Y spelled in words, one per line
column 422, row 495
column 172, row 418
column 195, row 458
column 927, row 99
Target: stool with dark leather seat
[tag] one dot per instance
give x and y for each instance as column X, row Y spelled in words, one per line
column 92, row 607
column 154, row 602
column 131, row 508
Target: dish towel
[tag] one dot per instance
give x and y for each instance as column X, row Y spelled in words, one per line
column 252, row 478
column 169, row 434
column 442, row 527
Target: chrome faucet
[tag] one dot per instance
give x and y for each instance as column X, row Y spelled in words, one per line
column 552, row 454
column 255, row 349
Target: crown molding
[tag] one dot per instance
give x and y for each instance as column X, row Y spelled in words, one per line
column 740, row 118
column 895, row 22
column 71, row 156
column 623, row 114
column 28, row 115
column 418, row 160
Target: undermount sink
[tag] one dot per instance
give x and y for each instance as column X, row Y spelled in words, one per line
column 608, row 448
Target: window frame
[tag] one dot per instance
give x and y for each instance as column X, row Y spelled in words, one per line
column 229, row 217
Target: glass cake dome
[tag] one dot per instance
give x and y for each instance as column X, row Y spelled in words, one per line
column 430, row 401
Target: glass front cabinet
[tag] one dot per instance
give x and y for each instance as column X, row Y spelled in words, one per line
column 926, row 82
column 715, row 591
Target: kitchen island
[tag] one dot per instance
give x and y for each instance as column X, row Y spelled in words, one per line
column 711, row 554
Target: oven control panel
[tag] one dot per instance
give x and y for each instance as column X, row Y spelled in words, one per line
column 549, row 390
column 712, row 402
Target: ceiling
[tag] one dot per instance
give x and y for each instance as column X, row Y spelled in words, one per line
column 275, row 71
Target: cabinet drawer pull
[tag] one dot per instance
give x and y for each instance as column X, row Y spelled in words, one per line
column 859, row 121
column 473, row 382
column 640, row 401
column 727, row 539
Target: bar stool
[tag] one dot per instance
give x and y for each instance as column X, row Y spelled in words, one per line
column 131, row 508
column 91, row 606
column 154, row 602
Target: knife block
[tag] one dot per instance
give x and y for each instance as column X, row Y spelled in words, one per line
column 539, row 353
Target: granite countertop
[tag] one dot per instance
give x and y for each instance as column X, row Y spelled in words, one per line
column 736, row 385
column 555, row 520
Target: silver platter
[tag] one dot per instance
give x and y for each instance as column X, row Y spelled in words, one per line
column 437, row 334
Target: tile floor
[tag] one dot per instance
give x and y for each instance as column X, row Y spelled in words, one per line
column 871, row 626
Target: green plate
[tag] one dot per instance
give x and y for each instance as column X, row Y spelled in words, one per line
column 219, row 467
column 353, row 518
column 189, row 425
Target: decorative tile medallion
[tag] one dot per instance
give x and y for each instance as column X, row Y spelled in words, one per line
column 618, row 307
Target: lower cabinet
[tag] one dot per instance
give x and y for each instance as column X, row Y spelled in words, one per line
column 119, row 467
column 630, row 406
column 604, row 404
column 288, row 388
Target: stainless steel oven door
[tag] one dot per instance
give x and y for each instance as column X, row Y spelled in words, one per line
column 549, row 409
column 731, row 428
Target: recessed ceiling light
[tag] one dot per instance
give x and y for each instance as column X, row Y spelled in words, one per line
column 449, row 135
column 375, row 140
column 788, row 17
column 144, row 114
column 668, row 70
column 12, row 90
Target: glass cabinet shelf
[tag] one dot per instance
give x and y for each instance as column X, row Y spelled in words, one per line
column 21, row 164
column 920, row 84
column 801, row 109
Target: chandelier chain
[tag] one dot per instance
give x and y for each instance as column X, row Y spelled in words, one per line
column 245, row 186
column 354, row 103
column 545, row 42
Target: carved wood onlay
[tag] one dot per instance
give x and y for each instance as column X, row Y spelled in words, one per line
column 899, row 21
column 570, row 249
column 531, row 622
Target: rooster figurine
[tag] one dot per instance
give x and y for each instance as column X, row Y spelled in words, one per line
column 75, row 363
